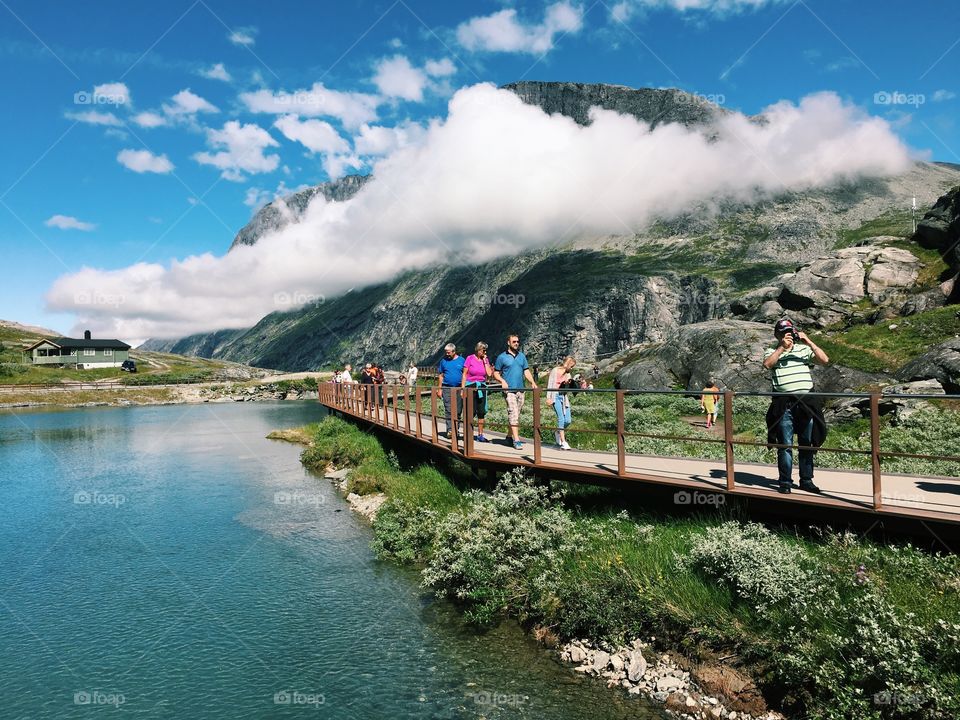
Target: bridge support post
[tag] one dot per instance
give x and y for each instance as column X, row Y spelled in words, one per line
column 875, row 449
column 728, row 437
column 469, row 398
column 621, row 440
column 537, row 441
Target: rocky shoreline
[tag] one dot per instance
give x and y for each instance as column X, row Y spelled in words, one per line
column 686, row 690
column 129, row 395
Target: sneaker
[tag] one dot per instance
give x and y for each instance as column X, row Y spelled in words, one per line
column 556, row 439
column 565, row 446
column 480, row 438
column 810, row 487
column 517, row 445
column 784, row 488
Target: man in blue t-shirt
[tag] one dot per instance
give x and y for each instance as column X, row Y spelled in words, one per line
column 509, row 370
column 450, row 376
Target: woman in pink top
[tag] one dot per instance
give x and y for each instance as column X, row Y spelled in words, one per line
column 476, row 371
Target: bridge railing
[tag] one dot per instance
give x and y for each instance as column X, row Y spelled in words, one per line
column 418, row 412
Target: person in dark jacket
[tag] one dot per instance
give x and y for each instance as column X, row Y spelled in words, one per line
column 792, row 413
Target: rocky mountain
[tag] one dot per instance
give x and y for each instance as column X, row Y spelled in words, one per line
column 653, row 105
column 802, row 253
column 286, row 210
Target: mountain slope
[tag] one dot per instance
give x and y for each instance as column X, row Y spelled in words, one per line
column 595, row 295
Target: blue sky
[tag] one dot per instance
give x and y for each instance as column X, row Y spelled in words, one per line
column 147, row 133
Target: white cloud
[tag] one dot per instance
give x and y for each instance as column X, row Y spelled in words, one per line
column 68, row 222
column 351, row 108
column 336, row 166
column 242, row 150
column 504, row 32
column 621, row 11
column 716, row 7
column 495, row 178
column 186, row 102
column 376, row 140
column 245, row 37
column 396, row 78
column 217, row 72
column 315, row 135
column 142, row 161
column 943, row 95
column 95, row 117
column 440, row 68
column 116, row 93
column 149, row 119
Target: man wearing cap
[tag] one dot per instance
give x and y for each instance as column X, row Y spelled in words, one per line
column 789, row 414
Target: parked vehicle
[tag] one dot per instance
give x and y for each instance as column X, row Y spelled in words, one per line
column 128, row 366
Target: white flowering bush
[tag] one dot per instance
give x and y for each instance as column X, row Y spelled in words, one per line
column 502, row 549
column 760, row 567
column 404, row 532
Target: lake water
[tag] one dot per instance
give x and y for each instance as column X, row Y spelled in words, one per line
column 171, row 562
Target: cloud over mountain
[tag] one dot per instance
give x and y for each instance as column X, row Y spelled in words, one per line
column 495, row 178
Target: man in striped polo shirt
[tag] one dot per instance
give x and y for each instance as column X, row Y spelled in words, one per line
column 790, row 362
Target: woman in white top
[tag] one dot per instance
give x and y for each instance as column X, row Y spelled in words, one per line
column 561, row 403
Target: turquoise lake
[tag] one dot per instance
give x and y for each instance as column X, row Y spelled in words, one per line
column 171, row 562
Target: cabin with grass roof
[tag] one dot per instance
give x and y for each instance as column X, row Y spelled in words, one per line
column 82, row 354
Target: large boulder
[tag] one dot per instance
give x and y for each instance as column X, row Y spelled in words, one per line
column 729, row 352
column 650, row 372
column 940, row 228
column 831, row 288
column 940, row 363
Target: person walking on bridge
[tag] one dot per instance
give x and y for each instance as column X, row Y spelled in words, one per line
column 560, row 378
column 510, row 370
column 790, row 412
column 477, row 370
column 449, row 381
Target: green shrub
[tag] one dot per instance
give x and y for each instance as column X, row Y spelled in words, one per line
column 404, row 532
column 760, row 567
column 502, row 550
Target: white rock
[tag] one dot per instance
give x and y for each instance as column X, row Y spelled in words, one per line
column 577, row 654
column 616, row 662
column 637, row 666
column 668, row 683
column 600, row 660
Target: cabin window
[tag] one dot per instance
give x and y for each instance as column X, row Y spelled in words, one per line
column 108, row 351
column 89, row 351
column 41, row 352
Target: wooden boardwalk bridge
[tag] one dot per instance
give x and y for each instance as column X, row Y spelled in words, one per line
column 416, row 414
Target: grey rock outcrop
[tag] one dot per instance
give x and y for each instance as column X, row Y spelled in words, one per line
column 729, row 352
column 830, row 288
column 283, row 211
column 940, row 363
column 653, row 105
column 940, row 228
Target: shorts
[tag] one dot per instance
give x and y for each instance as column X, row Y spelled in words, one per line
column 514, row 406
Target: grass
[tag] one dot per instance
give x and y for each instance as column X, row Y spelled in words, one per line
column 898, row 223
column 857, row 616
column 145, row 396
column 877, row 348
